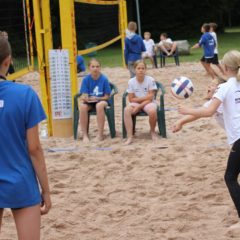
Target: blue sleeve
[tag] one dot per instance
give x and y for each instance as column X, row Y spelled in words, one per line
column 107, row 88
column 126, row 51
column 33, row 111
column 84, row 86
column 202, row 40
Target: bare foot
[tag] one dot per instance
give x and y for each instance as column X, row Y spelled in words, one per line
column 129, row 141
column 235, row 226
column 100, row 138
column 86, row 139
column 154, row 136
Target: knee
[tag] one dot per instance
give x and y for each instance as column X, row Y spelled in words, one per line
column 83, row 108
column 127, row 110
column 152, row 112
column 100, row 106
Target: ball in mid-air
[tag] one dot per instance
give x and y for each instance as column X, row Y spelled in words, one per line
column 182, row 87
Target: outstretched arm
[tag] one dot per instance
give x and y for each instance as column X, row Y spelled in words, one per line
column 179, row 124
column 201, row 112
column 195, row 46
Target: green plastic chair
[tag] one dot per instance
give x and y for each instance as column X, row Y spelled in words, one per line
column 160, row 113
column 109, row 111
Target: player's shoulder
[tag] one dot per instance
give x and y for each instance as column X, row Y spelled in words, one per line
column 132, row 80
column 21, row 88
column 149, row 78
column 103, row 77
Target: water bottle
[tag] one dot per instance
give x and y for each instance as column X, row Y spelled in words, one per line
column 44, row 129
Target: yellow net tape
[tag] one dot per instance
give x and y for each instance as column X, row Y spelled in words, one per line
column 101, row 2
column 89, row 50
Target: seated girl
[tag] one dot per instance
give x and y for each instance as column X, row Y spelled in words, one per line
column 95, row 91
column 141, row 90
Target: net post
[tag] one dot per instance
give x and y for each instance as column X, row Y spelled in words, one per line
column 41, row 53
column 68, row 35
column 122, row 28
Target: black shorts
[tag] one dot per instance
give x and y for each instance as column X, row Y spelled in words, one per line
column 93, row 104
column 215, row 59
column 207, row 60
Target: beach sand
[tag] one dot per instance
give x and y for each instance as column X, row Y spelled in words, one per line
column 173, row 189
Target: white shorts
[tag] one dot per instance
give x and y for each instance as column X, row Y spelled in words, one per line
column 147, row 55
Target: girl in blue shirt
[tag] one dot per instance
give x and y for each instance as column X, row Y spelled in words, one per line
column 22, row 164
column 95, row 91
column 208, row 44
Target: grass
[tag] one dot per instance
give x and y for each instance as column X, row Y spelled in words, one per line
column 112, row 56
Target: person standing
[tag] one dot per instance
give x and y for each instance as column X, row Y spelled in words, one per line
column 22, row 163
column 134, row 47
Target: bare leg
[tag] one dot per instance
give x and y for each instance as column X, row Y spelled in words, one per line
column 220, row 68
column 152, row 113
column 28, row 222
column 100, row 107
column 152, row 61
column 163, row 49
column 1, row 215
column 84, row 109
column 128, row 123
column 208, row 69
column 173, row 48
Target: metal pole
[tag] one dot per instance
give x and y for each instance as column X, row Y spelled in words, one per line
column 138, row 18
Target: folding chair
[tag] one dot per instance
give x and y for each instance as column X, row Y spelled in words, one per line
column 109, row 111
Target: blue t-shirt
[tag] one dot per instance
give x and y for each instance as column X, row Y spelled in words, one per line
column 80, row 64
column 208, row 43
column 95, row 88
column 20, row 109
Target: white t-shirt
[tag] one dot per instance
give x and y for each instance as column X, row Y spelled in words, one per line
column 141, row 89
column 149, row 45
column 168, row 40
column 229, row 94
column 214, row 35
column 218, row 115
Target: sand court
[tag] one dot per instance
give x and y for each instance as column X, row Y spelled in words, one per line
column 172, row 189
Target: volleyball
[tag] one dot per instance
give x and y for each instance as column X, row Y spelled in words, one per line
column 182, row 87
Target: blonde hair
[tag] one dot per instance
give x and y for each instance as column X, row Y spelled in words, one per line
column 132, row 26
column 139, row 62
column 232, row 60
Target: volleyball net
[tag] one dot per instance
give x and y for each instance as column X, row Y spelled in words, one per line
column 99, row 24
column 15, row 21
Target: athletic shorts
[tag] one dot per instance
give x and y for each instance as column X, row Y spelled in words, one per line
column 207, row 60
column 93, row 104
column 215, row 59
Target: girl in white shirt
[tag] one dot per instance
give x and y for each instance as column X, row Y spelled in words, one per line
column 227, row 94
column 141, row 90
